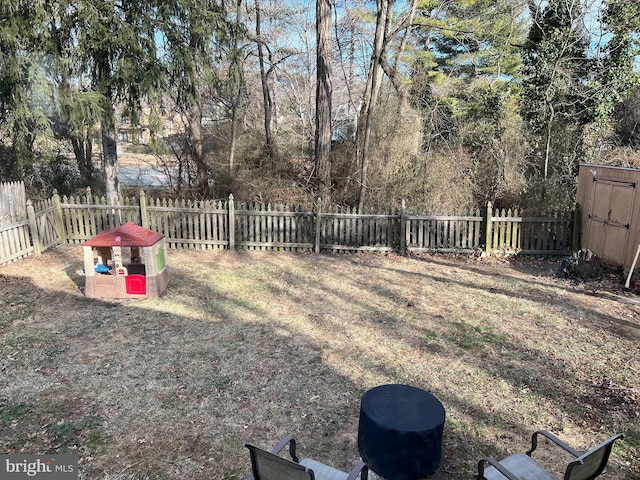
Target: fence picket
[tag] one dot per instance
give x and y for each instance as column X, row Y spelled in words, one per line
column 210, row 221
column 191, row 225
column 293, row 226
column 68, row 218
column 540, row 236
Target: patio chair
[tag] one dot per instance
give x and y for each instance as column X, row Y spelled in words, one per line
column 270, row 466
column 522, row 467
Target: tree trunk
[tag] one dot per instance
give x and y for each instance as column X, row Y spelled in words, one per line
column 374, row 80
column 238, row 79
column 234, row 136
column 110, row 156
column 323, row 99
column 392, row 71
column 83, row 151
column 108, row 130
column 266, row 93
column 547, row 157
column 197, row 149
column 80, row 137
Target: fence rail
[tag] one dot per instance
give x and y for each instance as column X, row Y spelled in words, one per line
column 214, row 225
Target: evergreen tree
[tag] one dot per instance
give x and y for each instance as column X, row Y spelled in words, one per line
column 98, row 53
column 556, row 65
column 567, row 87
column 192, row 29
column 557, row 96
column 116, row 41
column 475, row 39
column 464, row 46
column 22, row 86
column 617, row 78
column 77, row 109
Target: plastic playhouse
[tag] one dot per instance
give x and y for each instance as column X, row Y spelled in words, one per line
column 126, row 262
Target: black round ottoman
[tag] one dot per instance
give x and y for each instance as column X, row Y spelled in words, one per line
column 400, row 432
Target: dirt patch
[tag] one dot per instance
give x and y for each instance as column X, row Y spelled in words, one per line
column 250, row 346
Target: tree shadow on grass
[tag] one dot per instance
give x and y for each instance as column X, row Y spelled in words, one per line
column 139, row 391
column 537, row 290
column 531, row 372
column 178, row 383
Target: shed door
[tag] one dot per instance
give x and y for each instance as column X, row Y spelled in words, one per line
column 609, row 220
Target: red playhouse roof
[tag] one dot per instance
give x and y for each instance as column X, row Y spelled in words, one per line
column 128, row 235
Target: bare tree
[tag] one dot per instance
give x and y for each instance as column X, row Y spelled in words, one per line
column 374, row 79
column 267, row 97
column 236, row 78
column 323, row 98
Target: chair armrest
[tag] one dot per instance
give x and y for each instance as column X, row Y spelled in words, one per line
column 361, row 469
column 496, row 464
column 283, row 443
column 554, row 439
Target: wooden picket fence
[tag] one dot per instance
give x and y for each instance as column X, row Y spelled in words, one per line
column 448, row 232
column 225, row 224
column 511, row 232
column 15, row 241
column 262, row 227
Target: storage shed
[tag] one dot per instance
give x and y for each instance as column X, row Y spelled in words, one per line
column 610, row 212
column 125, row 262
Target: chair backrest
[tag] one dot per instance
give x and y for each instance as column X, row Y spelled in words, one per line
column 591, row 464
column 268, row 466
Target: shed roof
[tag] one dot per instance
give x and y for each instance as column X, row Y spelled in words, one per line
column 127, row 235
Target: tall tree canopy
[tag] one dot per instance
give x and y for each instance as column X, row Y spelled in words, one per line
column 361, row 102
column 116, row 41
column 191, row 29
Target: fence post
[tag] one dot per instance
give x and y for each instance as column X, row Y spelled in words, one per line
column 33, row 225
column 232, row 224
column 403, row 228
column 488, row 229
column 577, row 224
column 89, row 222
column 318, row 224
column 59, row 218
column 144, row 216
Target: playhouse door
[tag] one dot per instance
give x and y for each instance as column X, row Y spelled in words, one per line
column 136, row 284
column 609, row 220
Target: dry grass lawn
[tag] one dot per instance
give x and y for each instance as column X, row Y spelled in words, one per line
column 250, row 346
